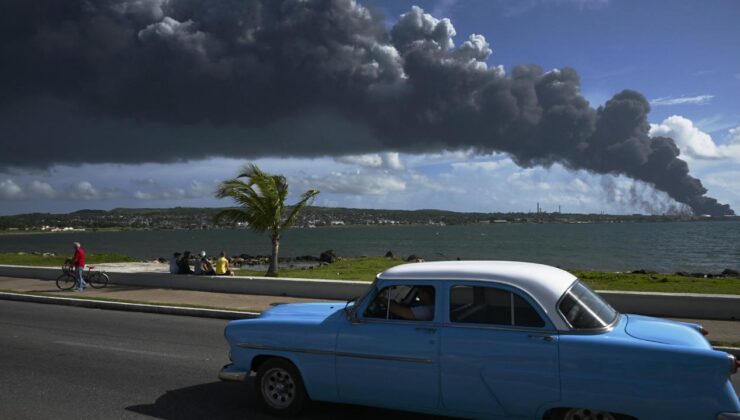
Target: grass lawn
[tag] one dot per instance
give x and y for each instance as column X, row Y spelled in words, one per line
column 36, row 260
column 366, row 268
column 669, row 283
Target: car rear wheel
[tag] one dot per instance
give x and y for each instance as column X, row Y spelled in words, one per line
column 280, row 387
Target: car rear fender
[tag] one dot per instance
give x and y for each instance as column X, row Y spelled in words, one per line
column 618, row 373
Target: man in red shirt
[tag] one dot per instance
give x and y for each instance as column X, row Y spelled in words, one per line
column 78, row 261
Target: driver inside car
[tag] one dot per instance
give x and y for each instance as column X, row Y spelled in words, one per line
column 421, row 310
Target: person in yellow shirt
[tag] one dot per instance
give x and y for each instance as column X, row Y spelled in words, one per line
column 222, row 266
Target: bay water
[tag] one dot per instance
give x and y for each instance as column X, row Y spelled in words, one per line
column 665, row 247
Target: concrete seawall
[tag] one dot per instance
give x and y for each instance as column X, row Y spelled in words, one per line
column 301, row 288
column 677, row 305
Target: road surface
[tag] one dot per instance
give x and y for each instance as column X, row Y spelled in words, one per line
column 59, row 362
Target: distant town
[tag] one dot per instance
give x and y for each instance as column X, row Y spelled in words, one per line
column 202, row 218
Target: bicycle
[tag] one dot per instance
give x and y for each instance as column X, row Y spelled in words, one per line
column 67, row 281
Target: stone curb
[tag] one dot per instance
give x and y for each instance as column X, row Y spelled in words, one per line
column 131, row 307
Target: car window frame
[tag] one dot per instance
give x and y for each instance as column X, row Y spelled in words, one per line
column 380, row 285
column 585, row 331
column 549, row 326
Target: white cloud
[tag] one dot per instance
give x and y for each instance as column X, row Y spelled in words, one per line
column 41, row 189
column 140, row 195
column 83, row 190
column 692, row 141
column 485, row 165
column 733, row 136
column 355, row 183
column 195, row 190
column 9, row 190
column 389, row 160
column 682, row 100
column 696, row 144
column 426, row 183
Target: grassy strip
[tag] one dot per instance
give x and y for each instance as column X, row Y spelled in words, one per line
column 366, row 268
column 363, row 269
column 668, row 283
column 735, row 344
column 37, row 260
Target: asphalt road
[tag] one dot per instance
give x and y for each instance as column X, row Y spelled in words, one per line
column 60, row 362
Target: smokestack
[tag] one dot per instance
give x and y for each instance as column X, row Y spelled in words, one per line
column 139, row 81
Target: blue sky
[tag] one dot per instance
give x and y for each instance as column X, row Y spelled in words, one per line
column 682, row 55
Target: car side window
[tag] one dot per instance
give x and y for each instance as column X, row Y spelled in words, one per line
column 492, row 306
column 404, row 302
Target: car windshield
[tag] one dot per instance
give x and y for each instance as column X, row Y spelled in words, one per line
column 585, row 309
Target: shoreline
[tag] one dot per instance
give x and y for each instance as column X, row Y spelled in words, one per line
column 155, row 265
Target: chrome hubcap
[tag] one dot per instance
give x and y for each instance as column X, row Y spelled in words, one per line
column 278, row 388
column 586, row 414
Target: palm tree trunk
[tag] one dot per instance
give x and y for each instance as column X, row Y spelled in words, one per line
column 272, row 271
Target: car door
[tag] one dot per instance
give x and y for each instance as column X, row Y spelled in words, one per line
column 499, row 353
column 385, row 360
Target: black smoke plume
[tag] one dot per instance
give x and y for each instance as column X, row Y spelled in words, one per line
column 163, row 80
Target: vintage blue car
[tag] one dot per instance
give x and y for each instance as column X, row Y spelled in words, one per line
column 486, row 339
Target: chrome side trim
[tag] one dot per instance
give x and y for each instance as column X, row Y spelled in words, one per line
column 255, row 346
column 506, row 328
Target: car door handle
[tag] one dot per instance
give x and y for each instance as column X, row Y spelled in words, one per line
column 429, row 330
column 547, row 338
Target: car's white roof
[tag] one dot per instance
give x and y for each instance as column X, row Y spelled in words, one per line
column 545, row 284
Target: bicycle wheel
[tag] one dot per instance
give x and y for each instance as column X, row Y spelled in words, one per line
column 66, row 282
column 98, row 280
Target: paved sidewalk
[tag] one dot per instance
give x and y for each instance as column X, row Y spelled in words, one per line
column 234, row 302
column 719, row 331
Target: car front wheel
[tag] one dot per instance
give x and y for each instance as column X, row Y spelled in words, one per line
column 280, row 387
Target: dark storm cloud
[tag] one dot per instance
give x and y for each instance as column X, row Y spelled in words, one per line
column 165, row 80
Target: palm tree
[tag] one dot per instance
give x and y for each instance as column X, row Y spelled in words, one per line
column 261, row 199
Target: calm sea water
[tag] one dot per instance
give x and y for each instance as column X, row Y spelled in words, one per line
column 695, row 246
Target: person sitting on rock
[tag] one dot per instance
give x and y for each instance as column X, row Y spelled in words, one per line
column 222, row 266
column 203, row 266
column 175, row 263
column 183, row 264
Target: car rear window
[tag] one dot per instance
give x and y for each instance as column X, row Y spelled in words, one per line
column 585, row 309
column 492, row 306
